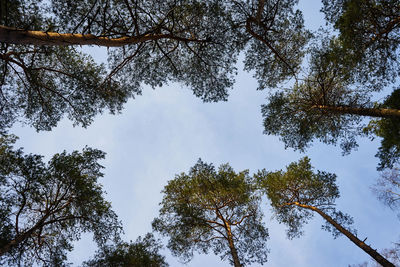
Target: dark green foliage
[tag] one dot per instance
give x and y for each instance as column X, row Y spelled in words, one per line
column 329, row 105
column 202, row 40
column 144, row 252
column 389, row 130
column 369, row 31
column 277, row 40
column 291, row 116
column 295, row 115
column 206, row 66
column 299, row 184
column 41, row 84
column 207, row 209
column 45, row 207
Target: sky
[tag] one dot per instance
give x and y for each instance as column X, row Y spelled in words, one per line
column 165, row 131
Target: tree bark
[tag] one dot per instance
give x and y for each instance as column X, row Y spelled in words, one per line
column 235, row 257
column 370, row 251
column 371, row 112
column 229, row 237
column 26, row 37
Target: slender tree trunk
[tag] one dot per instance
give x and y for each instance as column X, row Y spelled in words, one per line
column 371, row 112
column 235, row 257
column 372, row 252
column 21, row 36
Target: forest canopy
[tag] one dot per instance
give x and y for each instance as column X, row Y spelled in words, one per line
column 333, row 85
column 45, row 75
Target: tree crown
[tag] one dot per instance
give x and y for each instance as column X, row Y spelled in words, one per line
column 45, row 207
column 205, row 208
column 300, row 185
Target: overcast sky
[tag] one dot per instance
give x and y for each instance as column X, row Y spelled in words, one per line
column 164, row 131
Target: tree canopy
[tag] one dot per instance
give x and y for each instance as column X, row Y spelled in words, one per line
column 144, row 252
column 277, row 40
column 329, row 104
column 42, row 79
column 333, row 98
column 299, row 192
column 213, row 210
column 333, row 78
column 300, row 185
column 388, row 129
column 369, row 33
column 45, row 77
column 45, row 207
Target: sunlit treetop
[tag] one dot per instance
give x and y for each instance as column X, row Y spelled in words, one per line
column 301, row 186
column 218, row 210
column 299, row 192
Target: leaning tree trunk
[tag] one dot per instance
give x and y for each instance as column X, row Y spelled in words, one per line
column 26, row 37
column 370, row 251
column 371, row 112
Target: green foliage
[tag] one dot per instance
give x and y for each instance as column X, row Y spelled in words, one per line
column 344, row 71
column 389, row 130
column 144, row 252
column 207, row 67
column 277, row 41
column 202, row 40
column 369, row 31
column 329, row 104
column 295, row 116
column 41, row 84
column 298, row 124
column 45, row 207
column 299, row 184
column 198, row 208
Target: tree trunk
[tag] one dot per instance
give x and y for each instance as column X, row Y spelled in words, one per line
column 371, row 112
column 229, row 236
column 235, row 257
column 372, row 252
column 26, row 37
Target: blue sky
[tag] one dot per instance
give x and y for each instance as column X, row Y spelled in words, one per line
column 164, row 131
